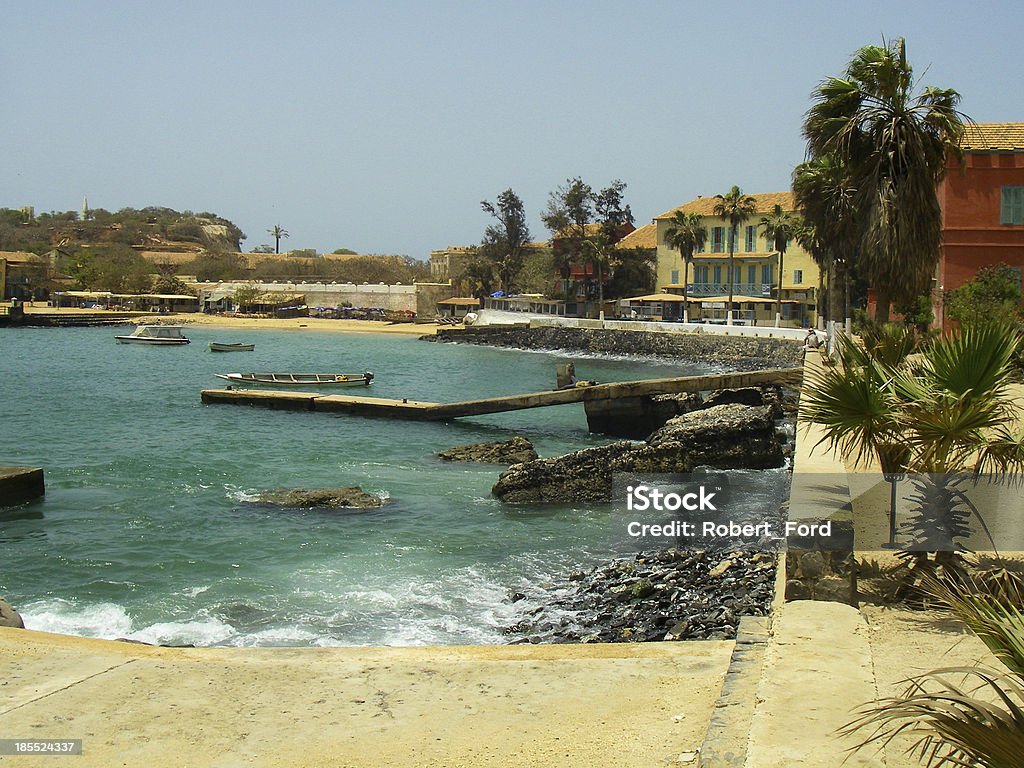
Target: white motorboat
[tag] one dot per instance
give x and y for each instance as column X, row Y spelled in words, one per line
column 160, row 335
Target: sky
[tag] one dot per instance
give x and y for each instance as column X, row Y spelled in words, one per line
column 381, row 126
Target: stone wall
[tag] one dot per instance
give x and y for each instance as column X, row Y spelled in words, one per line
column 736, row 353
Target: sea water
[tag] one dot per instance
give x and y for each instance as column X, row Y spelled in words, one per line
column 147, row 530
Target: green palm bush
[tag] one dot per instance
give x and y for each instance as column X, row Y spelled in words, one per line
column 962, row 716
column 936, row 409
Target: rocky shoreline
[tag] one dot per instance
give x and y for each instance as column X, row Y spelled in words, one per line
column 738, row 353
column 676, row 593
column 669, row 594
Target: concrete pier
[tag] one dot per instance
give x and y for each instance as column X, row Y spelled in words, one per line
column 18, row 484
column 427, row 411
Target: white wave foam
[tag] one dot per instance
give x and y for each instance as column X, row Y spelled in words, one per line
column 203, row 632
column 102, row 620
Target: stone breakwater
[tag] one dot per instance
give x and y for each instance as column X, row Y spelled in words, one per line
column 738, row 353
column 670, row 594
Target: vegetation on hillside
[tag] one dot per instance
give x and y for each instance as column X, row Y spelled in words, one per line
column 151, row 227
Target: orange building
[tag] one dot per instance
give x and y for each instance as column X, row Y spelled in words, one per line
column 982, row 207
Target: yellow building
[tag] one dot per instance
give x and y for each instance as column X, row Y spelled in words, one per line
column 756, row 277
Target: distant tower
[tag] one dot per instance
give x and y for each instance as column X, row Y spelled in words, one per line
column 85, row 207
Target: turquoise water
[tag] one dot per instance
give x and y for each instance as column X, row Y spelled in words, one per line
column 145, row 531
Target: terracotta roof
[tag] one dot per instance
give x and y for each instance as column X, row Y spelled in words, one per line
column 993, row 136
column 644, row 237
column 705, row 206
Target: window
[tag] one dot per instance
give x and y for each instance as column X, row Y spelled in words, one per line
column 769, row 244
column 798, row 277
column 766, row 274
column 718, row 273
column 700, row 274
column 704, row 245
column 1011, row 209
column 718, row 239
column 751, row 274
column 675, row 277
column 751, row 240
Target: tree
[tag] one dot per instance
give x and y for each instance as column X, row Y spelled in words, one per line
column 733, row 207
column 896, row 143
column 167, row 281
column 246, row 296
column 827, row 199
column 569, row 211
column 613, row 216
column 504, row 241
column 779, row 228
column 994, row 292
column 686, row 233
column 277, row 233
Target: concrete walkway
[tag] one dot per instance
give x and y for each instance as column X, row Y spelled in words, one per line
column 819, row 662
column 133, row 705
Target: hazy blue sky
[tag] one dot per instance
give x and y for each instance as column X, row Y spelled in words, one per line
column 380, row 126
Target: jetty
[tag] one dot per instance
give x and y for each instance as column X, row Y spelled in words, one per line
column 18, row 484
column 606, row 404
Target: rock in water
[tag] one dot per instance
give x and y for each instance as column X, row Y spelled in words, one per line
column 330, row 498
column 514, row 451
column 722, row 437
column 10, row 617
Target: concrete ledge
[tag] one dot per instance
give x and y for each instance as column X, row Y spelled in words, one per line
column 18, row 484
column 725, row 744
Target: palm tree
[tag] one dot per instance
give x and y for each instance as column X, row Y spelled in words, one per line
column 896, row 143
column 945, row 410
column 779, row 228
column 733, row 207
column 686, row 233
column 827, row 199
column 277, row 233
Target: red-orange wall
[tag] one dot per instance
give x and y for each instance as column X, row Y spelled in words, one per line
column 972, row 236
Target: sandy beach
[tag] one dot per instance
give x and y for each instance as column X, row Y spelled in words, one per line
column 294, row 323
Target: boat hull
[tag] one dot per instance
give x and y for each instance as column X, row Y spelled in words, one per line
column 218, row 347
column 151, row 342
column 297, row 379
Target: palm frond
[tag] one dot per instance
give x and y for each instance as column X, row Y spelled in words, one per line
column 957, row 724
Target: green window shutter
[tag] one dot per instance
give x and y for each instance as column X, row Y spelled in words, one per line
column 1011, row 208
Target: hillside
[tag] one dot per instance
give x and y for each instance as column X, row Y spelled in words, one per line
column 149, row 229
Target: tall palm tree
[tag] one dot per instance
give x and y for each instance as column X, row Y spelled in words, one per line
column 733, row 207
column 826, row 197
column 686, row 234
column 779, row 228
column 896, row 142
column 277, row 233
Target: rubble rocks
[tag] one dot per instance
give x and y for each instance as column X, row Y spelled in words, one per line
column 514, row 451
column 329, row 498
column 671, row 594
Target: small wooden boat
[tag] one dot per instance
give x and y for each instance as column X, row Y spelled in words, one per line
column 160, row 335
column 237, row 346
column 298, row 379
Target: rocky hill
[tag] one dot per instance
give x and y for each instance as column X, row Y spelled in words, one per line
column 146, row 229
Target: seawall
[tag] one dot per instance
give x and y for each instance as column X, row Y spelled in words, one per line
column 735, row 352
